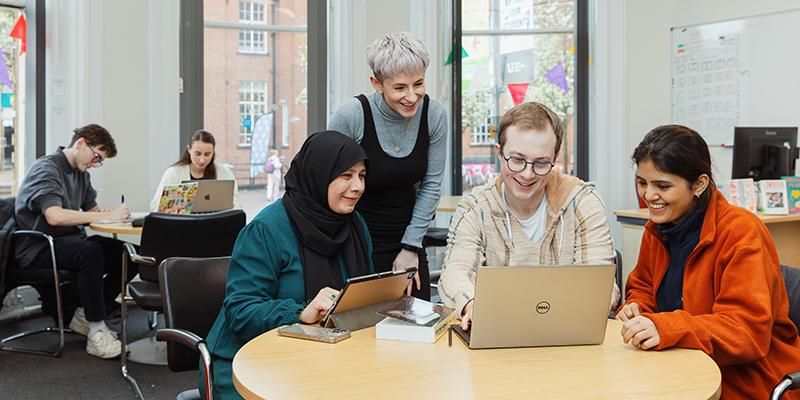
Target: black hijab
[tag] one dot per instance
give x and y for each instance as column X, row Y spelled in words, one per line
column 323, row 234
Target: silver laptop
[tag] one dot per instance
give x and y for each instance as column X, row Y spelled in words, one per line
column 212, row 195
column 540, row 306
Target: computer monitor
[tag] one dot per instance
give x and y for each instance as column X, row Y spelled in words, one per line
column 764, row 153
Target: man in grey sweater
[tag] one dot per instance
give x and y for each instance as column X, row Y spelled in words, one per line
column 57, row 198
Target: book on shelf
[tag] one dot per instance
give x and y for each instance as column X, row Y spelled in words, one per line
column 793, row 193
column 772, row 196
column 741, row 192
column 414, row 320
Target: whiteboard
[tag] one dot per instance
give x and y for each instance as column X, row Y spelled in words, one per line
column 742, row 72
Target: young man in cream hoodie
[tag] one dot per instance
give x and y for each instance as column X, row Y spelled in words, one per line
column 530, row 214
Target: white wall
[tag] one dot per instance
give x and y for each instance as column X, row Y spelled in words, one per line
column 115, row 63
column 647, row 62
column 352, row 26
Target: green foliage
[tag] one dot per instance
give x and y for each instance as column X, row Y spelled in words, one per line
column 549, row 51
column 475, row 108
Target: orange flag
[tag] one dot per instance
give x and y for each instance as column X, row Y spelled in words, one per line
column 20, row 32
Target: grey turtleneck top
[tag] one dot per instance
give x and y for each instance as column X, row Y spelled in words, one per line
column 395, row 131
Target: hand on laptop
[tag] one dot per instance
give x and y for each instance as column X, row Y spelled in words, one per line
column 466, row 315
column 318, row 306
column 407, row 259
column 641, row 332
column 629, row 311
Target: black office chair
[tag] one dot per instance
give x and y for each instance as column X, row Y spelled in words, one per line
column 435, row 237
column 190, row 311
column 169, row 235
column 791, row 279
column 16, row 276
column 13, row 275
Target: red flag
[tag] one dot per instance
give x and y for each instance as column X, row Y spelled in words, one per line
column 518, row 91
column 20, row 32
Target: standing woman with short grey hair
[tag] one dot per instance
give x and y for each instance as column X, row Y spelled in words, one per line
column 404, row 133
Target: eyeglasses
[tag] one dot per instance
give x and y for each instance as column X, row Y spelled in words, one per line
column 517, row 164
column 98, row 159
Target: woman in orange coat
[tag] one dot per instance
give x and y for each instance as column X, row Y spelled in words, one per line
column 708, row 275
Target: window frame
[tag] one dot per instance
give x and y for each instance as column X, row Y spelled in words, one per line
column 191, row 64
column 247, row 16
column 252, row 90
column 581, row 115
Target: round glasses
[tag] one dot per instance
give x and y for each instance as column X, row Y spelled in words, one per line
column 98, row 159
column 517, row 164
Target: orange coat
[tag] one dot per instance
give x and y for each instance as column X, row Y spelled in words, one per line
column 735, row 307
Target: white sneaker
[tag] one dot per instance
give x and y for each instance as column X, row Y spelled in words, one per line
column 80, row 325
column 103, row 343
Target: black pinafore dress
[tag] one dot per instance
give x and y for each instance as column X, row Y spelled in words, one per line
column 390, row 194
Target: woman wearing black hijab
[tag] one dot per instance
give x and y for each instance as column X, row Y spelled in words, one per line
column 290, row 262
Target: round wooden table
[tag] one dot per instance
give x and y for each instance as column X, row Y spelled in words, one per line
column 117, row 228
column 275, row 367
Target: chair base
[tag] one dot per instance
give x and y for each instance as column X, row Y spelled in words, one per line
column 148, row 351
column 192, row 394
column 5, row 347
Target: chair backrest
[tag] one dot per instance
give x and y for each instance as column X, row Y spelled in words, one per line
column 192, row 235
column 791, row 278
column 193, row 290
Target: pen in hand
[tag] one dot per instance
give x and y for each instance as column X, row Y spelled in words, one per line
column 122, row 198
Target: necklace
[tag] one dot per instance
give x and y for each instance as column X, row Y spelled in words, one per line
column 395, row 141
column 391, row 135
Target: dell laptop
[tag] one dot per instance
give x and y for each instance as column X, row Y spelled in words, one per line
column 539, row 306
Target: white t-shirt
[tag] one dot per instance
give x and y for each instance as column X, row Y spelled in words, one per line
column 535, row 225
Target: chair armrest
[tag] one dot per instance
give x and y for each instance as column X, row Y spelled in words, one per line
column 193, row 341
column 51, row 250
column 135, row 257
column 181, row 336
column 789, row 382
column 34, row 234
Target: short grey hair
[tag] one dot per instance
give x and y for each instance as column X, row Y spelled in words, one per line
column 397, row 53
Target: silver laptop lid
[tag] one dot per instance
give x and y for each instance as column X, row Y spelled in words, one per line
column 213, row 195
column 541, row 305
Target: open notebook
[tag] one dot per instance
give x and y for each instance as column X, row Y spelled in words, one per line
column 177, row 199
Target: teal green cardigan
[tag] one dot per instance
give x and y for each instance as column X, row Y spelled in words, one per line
column 265, row 290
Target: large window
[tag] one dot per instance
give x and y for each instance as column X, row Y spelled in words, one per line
column 255, row 104
column 12, row 92
column 252, row 105
column 252, row 41
column 513, row 51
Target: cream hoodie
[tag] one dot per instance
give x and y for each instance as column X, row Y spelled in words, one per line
column 483, row 231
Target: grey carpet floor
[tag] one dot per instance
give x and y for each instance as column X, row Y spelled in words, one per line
column 77, row 375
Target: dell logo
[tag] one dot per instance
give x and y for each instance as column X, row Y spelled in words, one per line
column 543, row 307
